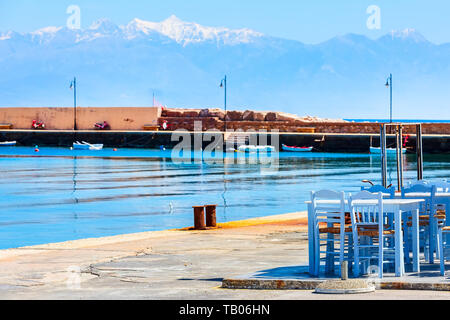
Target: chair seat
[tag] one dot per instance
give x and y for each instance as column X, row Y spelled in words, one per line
column 335, row 230
column 373, row 227
column 446, row 229
column 421, row 224
column 427, row 218
column 375, row 233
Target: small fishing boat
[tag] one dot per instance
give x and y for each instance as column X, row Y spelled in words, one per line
column 296, row 149
column 8, row 143
column 389, row 151
column 253, row 149
column 86, row 146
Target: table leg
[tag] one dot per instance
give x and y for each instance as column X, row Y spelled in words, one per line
column 399, row 257
column 431, row 241
column 311, row 239
column 447, row 221
column 415, row 240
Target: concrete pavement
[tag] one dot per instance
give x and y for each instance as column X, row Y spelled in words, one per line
column 169, row 265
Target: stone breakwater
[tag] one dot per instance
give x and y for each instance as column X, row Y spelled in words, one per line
column 244, row 120
column 281, row 121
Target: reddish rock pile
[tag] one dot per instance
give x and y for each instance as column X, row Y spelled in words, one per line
column 214, row 118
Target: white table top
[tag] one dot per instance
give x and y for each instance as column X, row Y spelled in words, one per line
column 369, row 201
column 424, row 194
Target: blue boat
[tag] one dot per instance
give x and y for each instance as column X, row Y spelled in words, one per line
column 389, row 151
column 296, row 149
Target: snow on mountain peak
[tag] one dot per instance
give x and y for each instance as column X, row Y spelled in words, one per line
column 172, row 28
column 407, row 34
column 189, row 32
column 47, row 31
column 104, row 26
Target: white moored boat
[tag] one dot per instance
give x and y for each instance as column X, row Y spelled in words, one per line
column 390, row 151
column 86, row 146
column 8, row 143
column 256, row 149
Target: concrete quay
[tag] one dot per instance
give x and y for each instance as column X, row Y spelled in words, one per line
column 322, row 142
column 173, row 264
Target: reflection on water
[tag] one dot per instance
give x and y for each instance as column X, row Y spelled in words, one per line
column 71, row 196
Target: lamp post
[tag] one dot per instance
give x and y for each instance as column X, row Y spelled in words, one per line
column 73, row 85
column 223, row 84
column 389, row 85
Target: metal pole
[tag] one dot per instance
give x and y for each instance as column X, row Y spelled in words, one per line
column 401, row 156
column 74, row 103
column 419, row 144
column 383, row 155
column 398, row 133
column 225, row 80
column 390, row 80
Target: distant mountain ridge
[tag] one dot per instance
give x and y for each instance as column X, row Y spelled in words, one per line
column 172, row 28
column 183, row 62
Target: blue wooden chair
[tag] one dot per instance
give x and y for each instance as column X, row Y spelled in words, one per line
column 389, row 192
column 428, row 224
column 330, row 229
column 370, row 237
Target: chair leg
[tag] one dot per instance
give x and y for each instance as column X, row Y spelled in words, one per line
column 426, row 244
column 431, row 244
column 356, row 254
column 441, row 250
column 380, row 256
column 407, row 247
column 341, row 248
column 436, row 230
column 317, row 253
column 350, row 250
column 329, row 255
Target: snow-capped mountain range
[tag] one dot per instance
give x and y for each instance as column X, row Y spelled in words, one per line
column 173, row 28
column 183, row 63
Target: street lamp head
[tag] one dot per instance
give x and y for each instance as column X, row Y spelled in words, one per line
column 221, row 84
column 387, row 83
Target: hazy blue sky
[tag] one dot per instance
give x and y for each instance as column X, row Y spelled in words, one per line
column 307, row 21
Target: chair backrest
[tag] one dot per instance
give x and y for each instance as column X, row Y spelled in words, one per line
column 366, row 213
column 422, row 188
column 430, row 199
column 441, row 186
column 329, row 212
column 379, row 188
column 416, row 183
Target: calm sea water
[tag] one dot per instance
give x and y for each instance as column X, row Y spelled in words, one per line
column 58, row 194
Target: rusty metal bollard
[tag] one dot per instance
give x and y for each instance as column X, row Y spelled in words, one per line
column 199, row 218
column 211, row 216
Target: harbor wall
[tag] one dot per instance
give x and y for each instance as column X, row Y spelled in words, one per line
column 179, row 118
column 342, row 143
column 135, row 118
column 120, row 118
column 187, row 123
